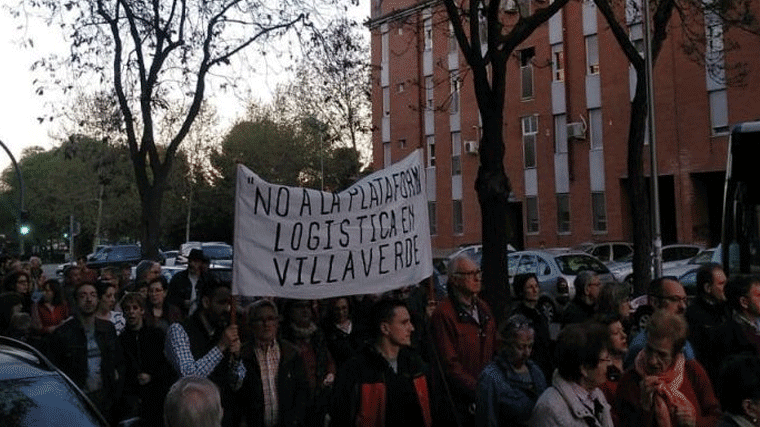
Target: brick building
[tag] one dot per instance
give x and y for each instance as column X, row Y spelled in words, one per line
column 566, row 124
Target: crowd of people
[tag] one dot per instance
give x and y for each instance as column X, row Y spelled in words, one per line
column 186, row 352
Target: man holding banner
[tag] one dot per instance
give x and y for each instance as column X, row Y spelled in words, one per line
column 207, row 345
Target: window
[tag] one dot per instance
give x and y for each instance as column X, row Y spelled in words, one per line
column 431, row 150
column 402, row 143
column 431, row 218
column 483, row 27
column 563, row 213
column 531, row 214
column 400, row 87
column 456, row 213
column 456, row 153
column 560, row 134
column 558, row 63
column 719, row 111
column 429, row 103
column 455, row 83
column 529, row 131
column 386, row 101
column 592, row 55
column 385, row 46
column 633, row 11
column 387, row 154
column 595, row 123
column 428, row 28
column 526, row 72
column 453, row 43
column 599, row 212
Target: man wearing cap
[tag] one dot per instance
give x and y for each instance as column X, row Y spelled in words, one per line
column 185, row 286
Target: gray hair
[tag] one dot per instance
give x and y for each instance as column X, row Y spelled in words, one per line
column 611, row 296
column 581, row 281
column 142, row 269
column 255, row 306
column 193, row 402
column 454, row 263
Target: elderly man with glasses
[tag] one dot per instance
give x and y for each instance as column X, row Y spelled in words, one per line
column 665, row 294
column 464, row 332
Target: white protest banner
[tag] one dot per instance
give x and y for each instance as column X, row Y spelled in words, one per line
column 300, row 243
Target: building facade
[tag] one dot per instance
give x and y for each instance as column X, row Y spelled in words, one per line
column 567, row 108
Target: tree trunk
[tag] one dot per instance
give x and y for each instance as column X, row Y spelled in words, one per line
column 152, row 199
column 493, row 188
column 638, row 194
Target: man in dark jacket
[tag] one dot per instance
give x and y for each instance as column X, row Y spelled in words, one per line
column 207, row 345
column 741, row 332
column 148, row 375
column 184, row 288
column 386, row 384
column 583, row 306
column 87, row 350
column 276, row 389
column 708, row 310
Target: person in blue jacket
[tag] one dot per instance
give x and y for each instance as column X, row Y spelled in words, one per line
column 510, row 385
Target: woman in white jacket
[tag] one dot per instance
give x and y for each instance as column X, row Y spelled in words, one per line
column 574, row 398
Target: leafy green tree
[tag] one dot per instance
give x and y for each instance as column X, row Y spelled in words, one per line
column 156, row 54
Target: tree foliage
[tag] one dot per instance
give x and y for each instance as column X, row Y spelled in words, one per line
column 332, row 84
column 156, row 54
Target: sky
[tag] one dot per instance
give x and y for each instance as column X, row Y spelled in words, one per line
column 19, row 127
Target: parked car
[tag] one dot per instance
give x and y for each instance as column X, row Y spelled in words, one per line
column 115, row 256
column 686, row 274
column 672, row 256
column 606, row 251
column 556, row 271
column 33, row 392
column 706, row 256
column 219, row 253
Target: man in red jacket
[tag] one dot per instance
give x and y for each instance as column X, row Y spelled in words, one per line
column 386, row 383
column 464, row 331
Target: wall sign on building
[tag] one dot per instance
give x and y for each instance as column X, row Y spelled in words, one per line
column 301, row 243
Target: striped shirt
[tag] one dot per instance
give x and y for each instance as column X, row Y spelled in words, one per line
column 269, row 363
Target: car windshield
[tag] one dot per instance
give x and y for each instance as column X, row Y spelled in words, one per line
column 42, row 401
column 703, row 257
column 573, row 264
column 218, row 252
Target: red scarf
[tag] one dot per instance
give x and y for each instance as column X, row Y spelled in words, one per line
column 660, row 394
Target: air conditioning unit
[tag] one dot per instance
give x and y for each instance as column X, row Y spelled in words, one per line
column 576, row 130
column 471, row 147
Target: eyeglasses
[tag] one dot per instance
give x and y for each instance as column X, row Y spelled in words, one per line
column 675, row 298
column 477, row 274
column 263, row 320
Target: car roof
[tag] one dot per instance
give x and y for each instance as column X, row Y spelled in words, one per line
column 20, row 363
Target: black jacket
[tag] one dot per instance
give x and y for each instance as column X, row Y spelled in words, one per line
column 292, row 387
column 703, row 317
column 180, row 290
column 144, row 353
column 368, row 379
column 68, row 351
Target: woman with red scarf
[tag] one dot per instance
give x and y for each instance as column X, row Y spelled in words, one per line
column 663, row 389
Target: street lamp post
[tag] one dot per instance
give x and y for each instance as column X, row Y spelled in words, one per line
column 657, row 234
column 22, row 214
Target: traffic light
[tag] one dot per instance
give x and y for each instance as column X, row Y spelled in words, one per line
column 24, row 228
